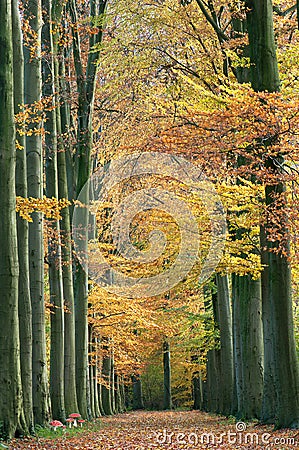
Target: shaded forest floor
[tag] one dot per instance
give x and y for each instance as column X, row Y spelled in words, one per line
column 168, row 430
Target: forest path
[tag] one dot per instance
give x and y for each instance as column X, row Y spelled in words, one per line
column 145, row 430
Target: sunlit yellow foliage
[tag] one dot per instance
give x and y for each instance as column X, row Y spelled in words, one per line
column 50, row 207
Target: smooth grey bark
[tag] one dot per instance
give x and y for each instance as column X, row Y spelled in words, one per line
column 248, row 346
column 226, row 344
column 54, row 244
column 91, row 372
column 167, row 399
column 96, row 377
column 278, row 298
column 10, row 374
column 70, row 394
column 211, row 388
column 24, row 302
column 33, row 90
column 269, row 400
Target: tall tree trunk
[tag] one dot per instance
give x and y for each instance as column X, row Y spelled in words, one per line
column 197, row 388
column 96, row 377
column 70, row 393
column 248, row 346
column 91, row 367
column 106, row 388
column 10, row 374
column 226, row 344
column 278, row 299
column 33, row 88
column 269, row 400
column 54, row 245
column 86, row 82
column 24, row 303
column 167, row 402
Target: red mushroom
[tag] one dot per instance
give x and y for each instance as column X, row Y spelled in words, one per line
column 70, row 421
column 81, row 421
column 55, row 424
column 75, row 416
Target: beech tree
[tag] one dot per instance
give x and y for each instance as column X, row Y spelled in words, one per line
column 33, row 94
column 86, row 83
column 10, row 374
column 24, row 304
column 281, row 367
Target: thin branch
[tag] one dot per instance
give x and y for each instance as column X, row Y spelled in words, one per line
column 222, row 36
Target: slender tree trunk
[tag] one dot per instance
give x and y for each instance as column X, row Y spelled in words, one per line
column 167, row 402
column 112, row 374
column 197, row 390
column 33, row 88
column 54, row 245
column 106, row 389
column 86, row 82
column 122, row 394
column 95, row 378
column 67, row 260
column 91, row 367
column 24, row 303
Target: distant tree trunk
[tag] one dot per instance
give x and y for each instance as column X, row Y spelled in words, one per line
column 197, row 388
column 96, row 377
column 91, row 372
column 278, row 301
column 119, row 405
column 106, row 376
column 32, row 89
column 137, row 392
column 122, row 393
column 167, row 402
column 106, row 389
column 213, row 381
column 24, row 304
column 99, row 387
column 112, row 374
column 10, row 375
